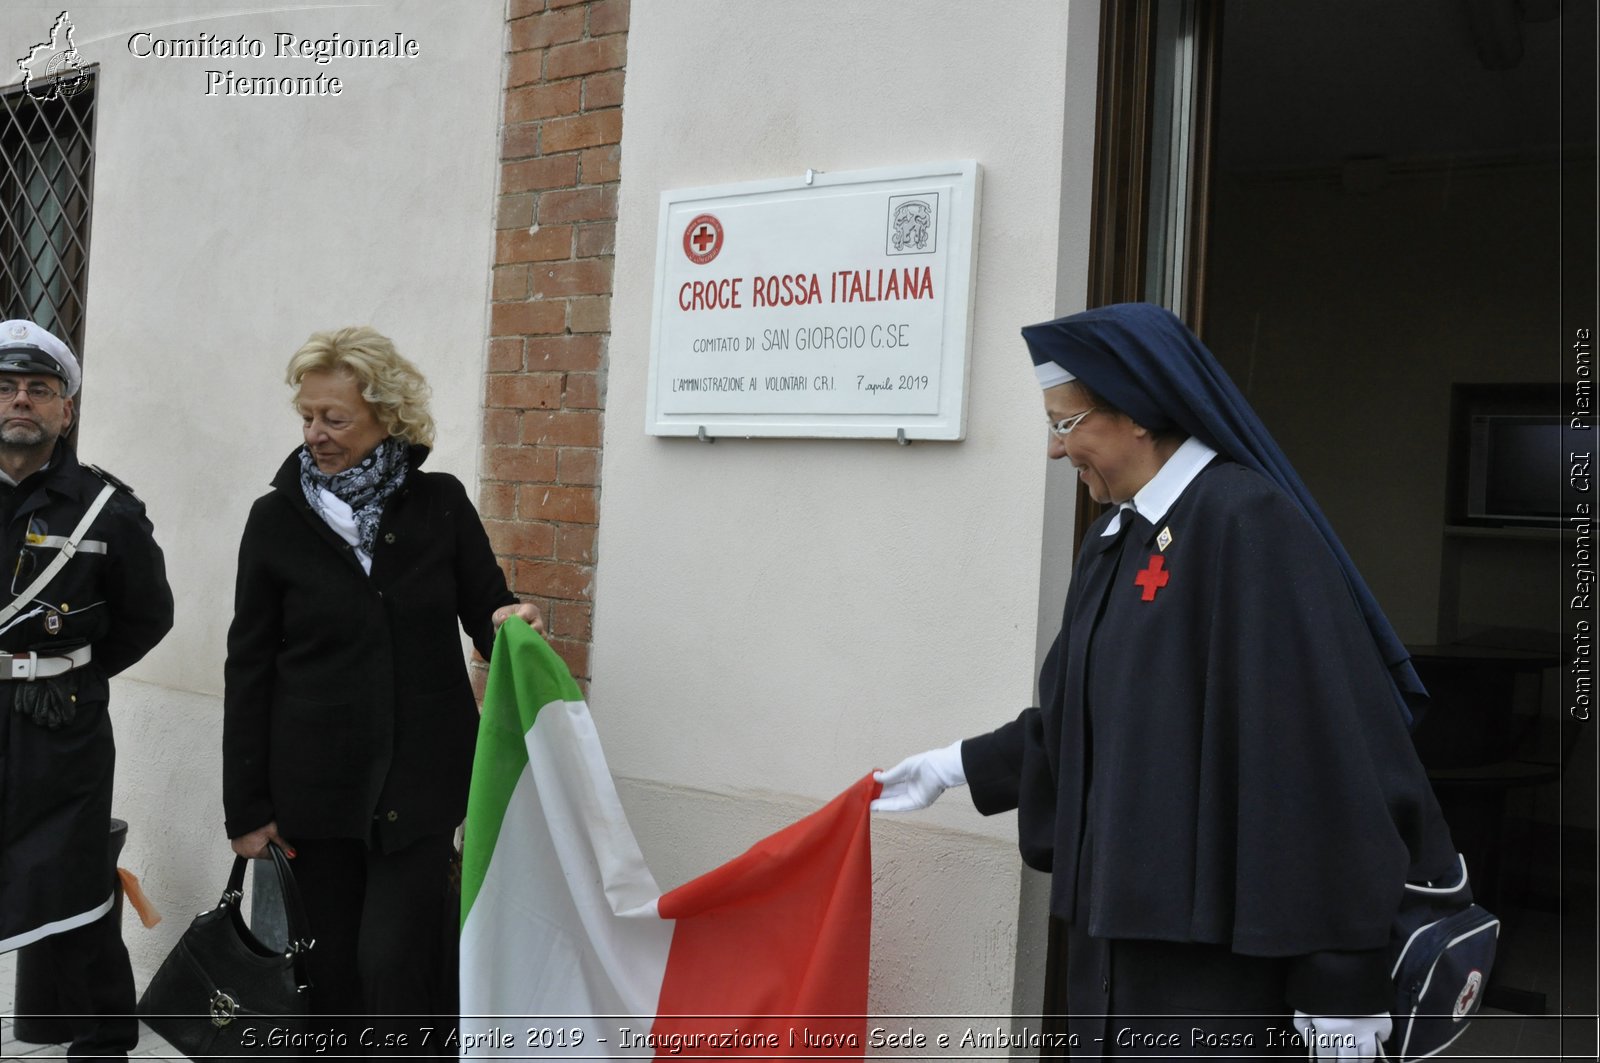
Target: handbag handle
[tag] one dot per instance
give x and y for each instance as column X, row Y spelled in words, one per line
column 300, row 939
column 1460, row 890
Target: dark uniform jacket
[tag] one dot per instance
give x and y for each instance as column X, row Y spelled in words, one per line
column 55, row 786
column 348, row 712
column 1218, row 730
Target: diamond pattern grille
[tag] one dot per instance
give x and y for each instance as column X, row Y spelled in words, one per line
column 46, row 186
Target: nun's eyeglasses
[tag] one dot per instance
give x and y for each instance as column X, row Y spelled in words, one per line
column 1064, row 427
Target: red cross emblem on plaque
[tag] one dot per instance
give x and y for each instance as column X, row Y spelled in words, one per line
column 702, row 239
column 1152, row 578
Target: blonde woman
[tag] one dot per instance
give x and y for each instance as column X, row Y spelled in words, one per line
column 349, row 719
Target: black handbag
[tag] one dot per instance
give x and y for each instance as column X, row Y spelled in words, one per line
column 1441, row 950
column 220, row 992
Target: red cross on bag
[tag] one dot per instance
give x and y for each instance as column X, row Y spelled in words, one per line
column 1152, row 578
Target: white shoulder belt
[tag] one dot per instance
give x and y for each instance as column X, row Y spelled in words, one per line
column 31, row 665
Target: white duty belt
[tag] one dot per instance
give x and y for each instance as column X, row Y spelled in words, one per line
column 29, row 666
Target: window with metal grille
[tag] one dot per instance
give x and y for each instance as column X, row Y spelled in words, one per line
column 46, row 188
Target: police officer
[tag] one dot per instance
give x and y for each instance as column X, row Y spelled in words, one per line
column 80, row 600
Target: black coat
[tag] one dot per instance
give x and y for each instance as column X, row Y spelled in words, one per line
column 55, row 786
column 1230, row 745
column 347, row 708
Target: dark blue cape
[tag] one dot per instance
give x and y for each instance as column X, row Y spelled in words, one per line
column 1140, row 358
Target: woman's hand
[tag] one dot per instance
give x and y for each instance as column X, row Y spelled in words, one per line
column 254, row 844
column 917, row 782
column 1349, row 1037
column 526, row 610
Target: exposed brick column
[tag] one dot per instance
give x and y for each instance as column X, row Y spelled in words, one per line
column 551, row 315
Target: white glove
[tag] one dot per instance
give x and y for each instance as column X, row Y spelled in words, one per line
column 917, row 782
column 1358, row 1037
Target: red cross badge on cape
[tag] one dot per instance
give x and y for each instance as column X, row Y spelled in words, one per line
column 1152, row 578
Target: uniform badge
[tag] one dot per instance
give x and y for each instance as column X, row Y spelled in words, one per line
column 52, row 622
column 1164, row 540
column 1152, row 578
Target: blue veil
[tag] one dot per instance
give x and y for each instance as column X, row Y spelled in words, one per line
column 1140, row 358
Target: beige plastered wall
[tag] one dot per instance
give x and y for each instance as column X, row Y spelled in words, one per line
column 225, row 231
column 775, row 618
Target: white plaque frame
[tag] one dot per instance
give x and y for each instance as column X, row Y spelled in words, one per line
column 830, row 305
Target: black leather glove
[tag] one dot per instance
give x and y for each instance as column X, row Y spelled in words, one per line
column 51, row 703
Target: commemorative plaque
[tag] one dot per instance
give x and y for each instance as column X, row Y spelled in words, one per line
column 823, row 305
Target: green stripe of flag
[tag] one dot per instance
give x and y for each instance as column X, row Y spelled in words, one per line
column 510, row 705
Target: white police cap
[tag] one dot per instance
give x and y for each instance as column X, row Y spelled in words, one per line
column 27, row 348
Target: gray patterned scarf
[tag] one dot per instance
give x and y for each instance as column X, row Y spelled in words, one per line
column 364, row 487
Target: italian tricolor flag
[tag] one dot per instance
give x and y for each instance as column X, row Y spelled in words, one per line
column 568, row 947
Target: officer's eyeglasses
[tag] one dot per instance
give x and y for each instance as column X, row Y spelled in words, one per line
column 1062, row 428
column 36, row 392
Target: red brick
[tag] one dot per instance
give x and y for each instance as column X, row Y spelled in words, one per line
column 497, row 501
column 550, row 27
column 524, row 69
column 597, row 239
column 510, row 282
column 556, row 235
column 514, row 212
column 602, row 90
column 555, row 579
column 527, row 319
column 503, row 427
column 525, row 391
column 608, row 16
column 577, row 204
column 545, row 243
column 567, row 353
column 601, row 165
column 512, row 538
column 590, row 276
column 520, row 141
column 578, row 467
column 547, row 608
column 582, row 393
column 574, row 620
column 543, row 101
column 586, row 57
column 505, row 354
column 580, row 131
column 562, row 429
column 524, row 465
column 576, row 657
column 574, row 505
column 575, row 542
column 554, row 171
column 589, row 314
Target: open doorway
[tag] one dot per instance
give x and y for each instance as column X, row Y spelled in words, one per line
column 1383, row 280
column 1364, row 204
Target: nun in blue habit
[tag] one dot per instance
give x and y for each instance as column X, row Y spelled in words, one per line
column 1219, row 775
